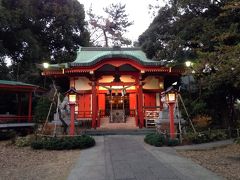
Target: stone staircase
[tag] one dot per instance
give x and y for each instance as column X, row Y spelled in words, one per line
column 106, row 125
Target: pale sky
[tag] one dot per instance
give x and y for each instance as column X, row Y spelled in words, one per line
column 137, row 10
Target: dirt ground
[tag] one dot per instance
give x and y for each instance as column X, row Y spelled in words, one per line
column 27, row 164
column 223, row 161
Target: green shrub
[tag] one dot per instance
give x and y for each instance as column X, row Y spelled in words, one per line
column 24, row 141
column 196, row 138
column 206, row 136
column 173, row 142
column 188, row 137
column 41, row 109
column 198, row 107
column 38, row 144
column 155, row 139
column 216, row 135
column 237, row 141
column 54, row 143
column 6, row 135
column 201, row 138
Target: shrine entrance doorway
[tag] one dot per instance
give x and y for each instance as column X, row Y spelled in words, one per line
column 117, row 107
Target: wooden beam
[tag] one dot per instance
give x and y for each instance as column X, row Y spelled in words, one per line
column 117, row 84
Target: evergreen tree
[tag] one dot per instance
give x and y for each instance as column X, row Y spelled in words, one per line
column 207, row 33
column 109, row 29
column 4, row 70
column 33, row 31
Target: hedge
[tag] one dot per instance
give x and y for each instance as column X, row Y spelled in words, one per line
column 159, row 140
column 155, row 139
column 56, row 143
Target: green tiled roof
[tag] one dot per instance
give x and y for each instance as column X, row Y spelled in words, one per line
column 15, row 83
column 87, row 56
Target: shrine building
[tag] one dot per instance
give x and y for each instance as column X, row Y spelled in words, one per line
column 115, row 85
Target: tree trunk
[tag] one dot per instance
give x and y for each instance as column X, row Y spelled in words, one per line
column 106, row 38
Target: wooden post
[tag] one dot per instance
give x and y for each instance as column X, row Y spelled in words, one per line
column 72, row 119
column 94, row 104
column 171, row 120
column 111, row 120
column 29, row 106
column 140, row 105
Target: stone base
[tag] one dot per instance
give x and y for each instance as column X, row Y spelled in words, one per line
column 165, row 127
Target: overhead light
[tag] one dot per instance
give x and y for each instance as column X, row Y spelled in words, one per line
column 188, row 63
column 161, row 85
column 45, row 65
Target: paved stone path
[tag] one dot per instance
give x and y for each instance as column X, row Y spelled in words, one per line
column 129, row 158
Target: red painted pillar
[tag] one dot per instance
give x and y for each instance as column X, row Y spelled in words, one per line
column 94, row 104
column 30, row 107
column 171, row 120
column 140, row 105
column 72, row 119
column 101, row 106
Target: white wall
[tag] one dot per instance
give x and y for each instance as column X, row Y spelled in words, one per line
column 127, row 78
column 124, row 78
column 151, row 83
column 82, row 83
column 106, row 79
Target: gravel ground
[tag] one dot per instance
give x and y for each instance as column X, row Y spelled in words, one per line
column 224, row 161
column 27, row 164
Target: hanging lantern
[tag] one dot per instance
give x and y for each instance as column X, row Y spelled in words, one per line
column 72, row 95
column 171, row 97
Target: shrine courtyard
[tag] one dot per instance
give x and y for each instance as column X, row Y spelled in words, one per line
column 129, row 158
column 121, row 157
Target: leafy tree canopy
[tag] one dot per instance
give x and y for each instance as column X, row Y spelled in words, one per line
column 33, row 31
column 207, row 33
column 179, row 28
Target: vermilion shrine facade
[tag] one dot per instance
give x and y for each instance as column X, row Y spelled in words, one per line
column 115, row 83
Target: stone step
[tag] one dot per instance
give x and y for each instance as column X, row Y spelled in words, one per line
column 129, row 124
column 103, row 132
column 118, row 127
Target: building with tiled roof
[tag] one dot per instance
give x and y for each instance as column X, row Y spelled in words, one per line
column 115, row 85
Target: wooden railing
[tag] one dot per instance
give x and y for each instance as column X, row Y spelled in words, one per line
column 83, row 114
column 151, row 118
column 5, row 118
column 84, row 119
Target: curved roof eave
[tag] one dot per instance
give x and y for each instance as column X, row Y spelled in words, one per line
column 108, row 56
